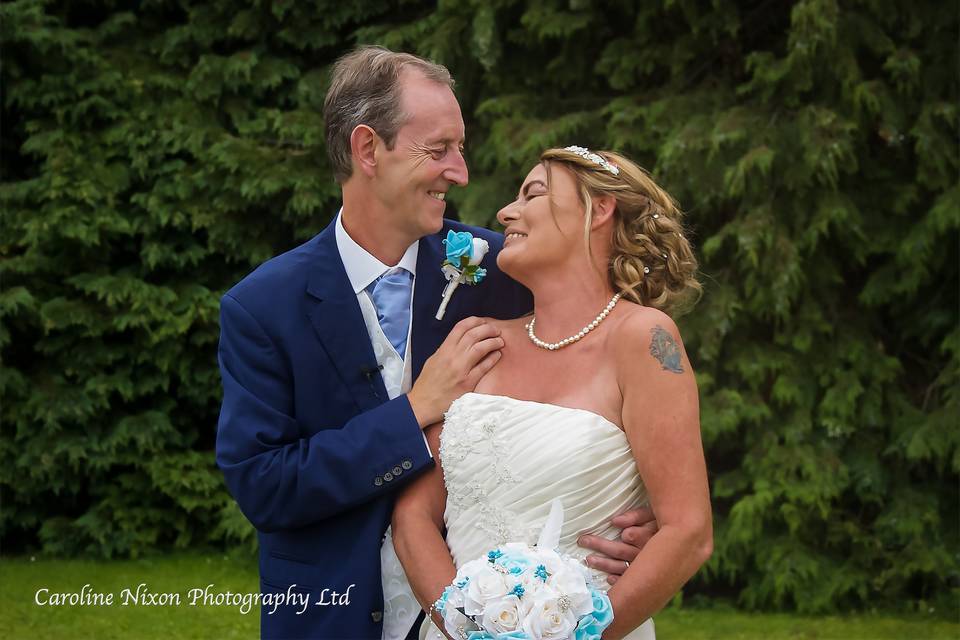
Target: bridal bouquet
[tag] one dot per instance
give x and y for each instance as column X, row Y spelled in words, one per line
column 519, row 592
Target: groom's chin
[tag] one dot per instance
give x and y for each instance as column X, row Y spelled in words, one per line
column 434, row 225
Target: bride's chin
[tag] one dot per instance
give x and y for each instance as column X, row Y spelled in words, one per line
column 506, row 264
column 513, row 268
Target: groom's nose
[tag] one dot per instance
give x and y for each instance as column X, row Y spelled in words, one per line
column 456, row 169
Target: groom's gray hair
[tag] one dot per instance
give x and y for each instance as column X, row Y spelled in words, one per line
column 365, row 89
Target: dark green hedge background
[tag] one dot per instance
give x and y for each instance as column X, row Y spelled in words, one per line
column 154, row 152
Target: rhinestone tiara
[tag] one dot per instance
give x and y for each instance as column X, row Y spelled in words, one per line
column 596, row 159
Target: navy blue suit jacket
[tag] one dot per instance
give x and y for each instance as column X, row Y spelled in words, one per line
column 306, row 432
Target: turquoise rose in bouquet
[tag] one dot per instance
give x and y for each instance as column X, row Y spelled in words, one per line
column 591, row 626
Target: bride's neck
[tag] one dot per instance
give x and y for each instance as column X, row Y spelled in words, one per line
column 562, row 305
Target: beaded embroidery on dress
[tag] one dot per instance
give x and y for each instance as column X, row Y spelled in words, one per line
column 504, row 462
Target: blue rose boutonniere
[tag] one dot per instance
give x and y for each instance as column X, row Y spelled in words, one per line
column 458, row 245
column 462, row 266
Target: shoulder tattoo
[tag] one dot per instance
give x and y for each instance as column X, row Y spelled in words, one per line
column 664, row 348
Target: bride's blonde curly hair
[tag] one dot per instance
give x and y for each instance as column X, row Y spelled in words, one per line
column 651, row 261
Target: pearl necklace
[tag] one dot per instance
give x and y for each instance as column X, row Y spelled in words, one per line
column 553, row 346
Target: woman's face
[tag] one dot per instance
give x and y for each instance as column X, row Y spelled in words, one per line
column 539, row 236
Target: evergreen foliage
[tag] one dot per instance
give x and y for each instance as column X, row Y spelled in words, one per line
column 154, row 152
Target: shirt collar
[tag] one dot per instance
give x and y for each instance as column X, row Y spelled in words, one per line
column 362, row 267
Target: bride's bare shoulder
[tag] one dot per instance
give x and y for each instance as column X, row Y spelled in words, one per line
column 636, row 322
column 634, row 313
column 645, row 330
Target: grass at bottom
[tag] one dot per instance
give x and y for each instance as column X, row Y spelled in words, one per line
column 725, row 624
column 21, row 617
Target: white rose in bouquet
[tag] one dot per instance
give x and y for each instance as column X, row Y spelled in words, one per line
column 570, row 582
column 502, row 614
column 484, row 585
column 548, row 619
column 552, row 561
column 531, row 583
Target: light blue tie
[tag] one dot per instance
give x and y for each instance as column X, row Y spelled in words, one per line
column 391, row 295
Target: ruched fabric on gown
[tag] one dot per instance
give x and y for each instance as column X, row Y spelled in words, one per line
column 505, row 460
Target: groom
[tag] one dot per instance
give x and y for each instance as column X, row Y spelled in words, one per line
column 321, row 420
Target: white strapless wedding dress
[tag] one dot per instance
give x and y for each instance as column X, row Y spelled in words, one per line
column 504, row 462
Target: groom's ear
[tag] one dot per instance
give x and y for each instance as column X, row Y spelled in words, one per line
column 603, row 209
column 363, row 148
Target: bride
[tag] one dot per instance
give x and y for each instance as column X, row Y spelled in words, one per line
column 593, row 401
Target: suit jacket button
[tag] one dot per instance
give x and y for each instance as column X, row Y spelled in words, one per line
column 388, row 476
column 397, row 470
column 406, row 464
column 376, row 615
column 378, row 481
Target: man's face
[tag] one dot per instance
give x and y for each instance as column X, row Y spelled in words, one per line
column 413, row 178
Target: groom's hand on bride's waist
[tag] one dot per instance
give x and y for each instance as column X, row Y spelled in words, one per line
column 471, row 349
column 614, row 556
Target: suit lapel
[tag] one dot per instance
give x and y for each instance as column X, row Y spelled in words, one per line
column 428, row 332
column 338, row 322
